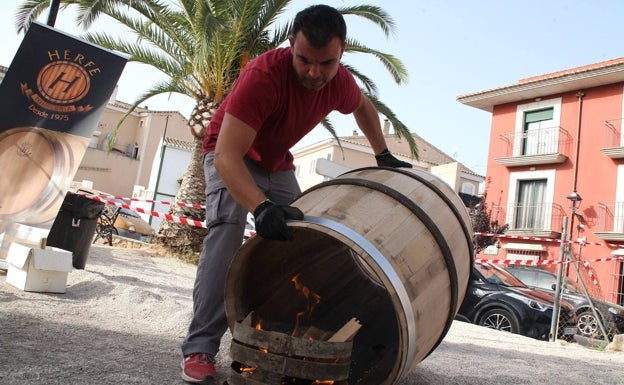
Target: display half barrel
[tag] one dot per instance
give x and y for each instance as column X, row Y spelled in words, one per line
column 390, row 247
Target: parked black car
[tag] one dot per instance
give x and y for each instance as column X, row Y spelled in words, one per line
column 611, row 314
column 498, row 300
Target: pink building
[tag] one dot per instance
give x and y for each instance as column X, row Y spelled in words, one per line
column 557, row 151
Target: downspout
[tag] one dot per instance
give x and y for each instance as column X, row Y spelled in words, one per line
column 579, row 95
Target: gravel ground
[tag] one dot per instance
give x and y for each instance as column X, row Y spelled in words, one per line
column 123, row 318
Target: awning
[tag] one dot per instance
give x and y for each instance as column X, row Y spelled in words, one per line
column 524, row 246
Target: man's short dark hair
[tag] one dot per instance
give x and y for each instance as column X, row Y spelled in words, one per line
column 319, row 24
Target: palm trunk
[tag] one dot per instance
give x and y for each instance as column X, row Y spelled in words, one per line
column 180, row 237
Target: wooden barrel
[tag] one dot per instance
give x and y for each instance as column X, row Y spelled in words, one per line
column 39, row 166
column 390, row 247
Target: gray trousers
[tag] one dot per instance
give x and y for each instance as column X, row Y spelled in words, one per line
column 225, row 219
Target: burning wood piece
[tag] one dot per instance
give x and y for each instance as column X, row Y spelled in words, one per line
column 347, row 332
column 264, row 357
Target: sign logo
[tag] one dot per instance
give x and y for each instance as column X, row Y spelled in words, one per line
column 61, row 84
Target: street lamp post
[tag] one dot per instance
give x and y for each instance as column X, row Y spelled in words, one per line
column 575, row 201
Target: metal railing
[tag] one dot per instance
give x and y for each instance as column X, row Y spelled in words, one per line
column 613, row 133
column 531, row 218
column 610, row 218
column 549, row 140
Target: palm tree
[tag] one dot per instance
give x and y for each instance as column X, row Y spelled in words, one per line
column 201, row 47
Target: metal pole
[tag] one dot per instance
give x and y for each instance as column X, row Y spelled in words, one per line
column 556, row 305
column 54, row 7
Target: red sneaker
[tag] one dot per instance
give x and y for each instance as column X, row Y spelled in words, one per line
column 199, row 368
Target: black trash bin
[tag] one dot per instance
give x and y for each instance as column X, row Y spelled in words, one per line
column 74, row 227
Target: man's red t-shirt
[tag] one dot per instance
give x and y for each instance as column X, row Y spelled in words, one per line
column 268, row 97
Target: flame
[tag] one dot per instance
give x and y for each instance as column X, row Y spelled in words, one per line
column 259, row 327
column 312, row 298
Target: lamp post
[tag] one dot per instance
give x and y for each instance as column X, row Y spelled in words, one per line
column 575, row 202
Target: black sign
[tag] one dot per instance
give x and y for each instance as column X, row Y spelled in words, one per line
column 51, row 100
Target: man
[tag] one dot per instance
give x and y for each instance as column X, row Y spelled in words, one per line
column 280, row 96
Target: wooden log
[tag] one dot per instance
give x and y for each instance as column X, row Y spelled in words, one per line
column 280, row 343
column 347, row 332
column 290, row 366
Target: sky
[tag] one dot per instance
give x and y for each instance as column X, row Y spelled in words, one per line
column 449, row 47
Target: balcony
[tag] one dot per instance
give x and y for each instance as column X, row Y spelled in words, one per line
column 610, row 221
column 550, row 145
column 614, row 142
column 531, row 220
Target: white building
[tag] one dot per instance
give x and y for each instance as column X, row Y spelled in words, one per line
column 356, row 153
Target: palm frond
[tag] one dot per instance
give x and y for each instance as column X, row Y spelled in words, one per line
column 395, row 67
column 30, row 10
column 162, row 87
column 327, row 124
column 400, row 129
column 365, row 81
column 374, row 14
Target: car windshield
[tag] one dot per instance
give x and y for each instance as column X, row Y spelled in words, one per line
column 494, row 274
column 124, row 211
column 571, row 286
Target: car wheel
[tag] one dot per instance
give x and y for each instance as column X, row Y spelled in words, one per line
column 587, row 325
column 499, row 319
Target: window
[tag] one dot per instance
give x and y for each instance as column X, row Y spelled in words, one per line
column 530, row 200
column 524, row 251
column 537, row 128
column 537, row 135
column 468, row 188
column 618, row 209
column 530, row 209
column 312, row 168
column 620, row 293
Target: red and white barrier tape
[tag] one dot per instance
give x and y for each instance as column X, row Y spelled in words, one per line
column 169, row 217
column 590, row 272
column 521, row 262
column 168, row 203
column 542, row 239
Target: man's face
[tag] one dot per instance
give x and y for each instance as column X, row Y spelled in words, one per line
column 315, row 67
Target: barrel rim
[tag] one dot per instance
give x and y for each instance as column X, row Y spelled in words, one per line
column 355, row 241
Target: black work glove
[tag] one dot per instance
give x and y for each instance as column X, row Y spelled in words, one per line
column 270, row 219
column 385, row 159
